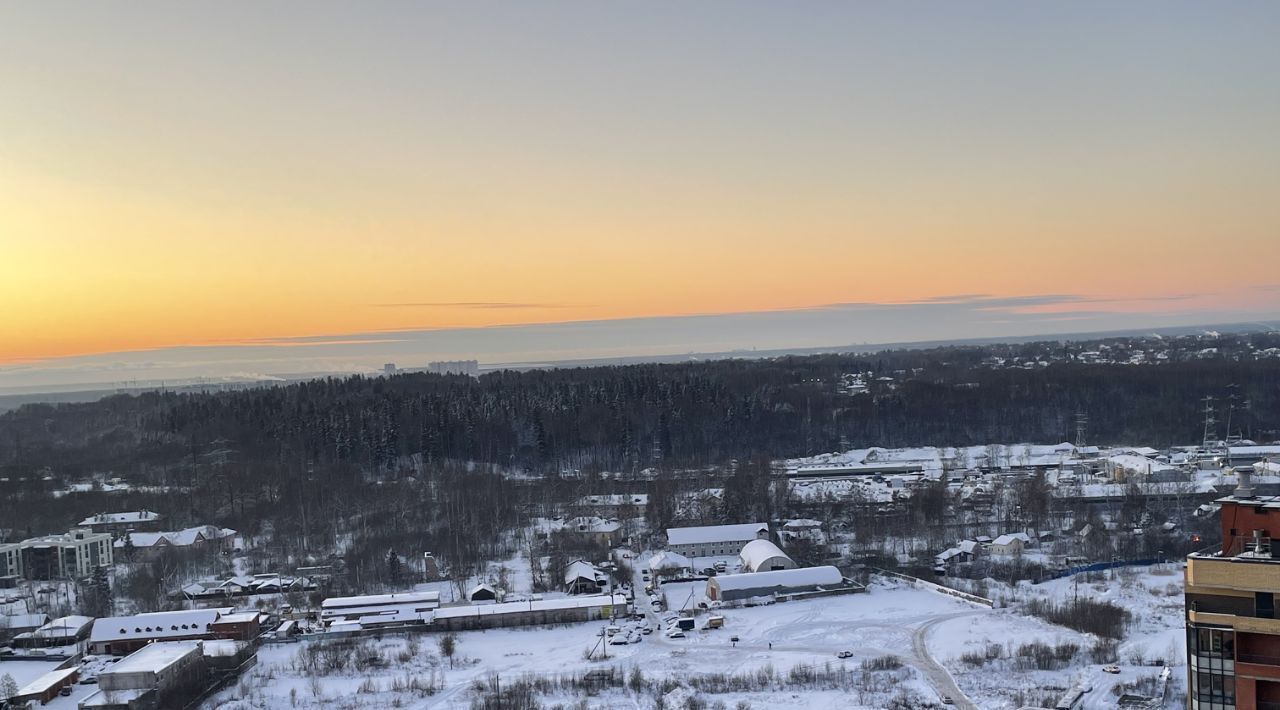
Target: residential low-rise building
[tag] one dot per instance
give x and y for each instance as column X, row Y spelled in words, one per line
column 204, row 538
column 714, row 540
column 582, row 577
column 1010, row 544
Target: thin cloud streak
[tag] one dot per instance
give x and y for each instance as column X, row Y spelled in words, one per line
column 471, row 305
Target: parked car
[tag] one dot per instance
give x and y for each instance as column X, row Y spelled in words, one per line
column 845, row 654
column 64, row 691
column 1111, row 669
column 946, row 700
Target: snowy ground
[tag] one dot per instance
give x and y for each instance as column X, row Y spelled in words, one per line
column 1154, row 637
column 772, row 640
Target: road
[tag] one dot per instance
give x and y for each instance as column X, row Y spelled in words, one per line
column 937, row 675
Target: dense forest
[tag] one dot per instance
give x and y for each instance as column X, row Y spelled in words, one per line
column 627, row 418
column 311, row 457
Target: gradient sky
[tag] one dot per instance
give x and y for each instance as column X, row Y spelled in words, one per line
column 212, row 174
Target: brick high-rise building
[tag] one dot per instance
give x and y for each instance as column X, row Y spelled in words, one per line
column 1233, row 634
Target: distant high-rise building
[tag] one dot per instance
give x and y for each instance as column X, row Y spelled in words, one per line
column 1233, row 635
column 471, row 368
column 389, row 369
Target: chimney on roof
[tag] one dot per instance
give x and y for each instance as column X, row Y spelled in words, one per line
column 1244, row 482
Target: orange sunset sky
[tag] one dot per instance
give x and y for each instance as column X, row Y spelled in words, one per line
column 183, row 175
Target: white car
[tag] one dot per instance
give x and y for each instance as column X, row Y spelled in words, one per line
column 1111, row 669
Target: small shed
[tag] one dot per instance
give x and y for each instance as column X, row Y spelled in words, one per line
column 482, row 593
column 46, row 687
column 670, row 564
column 580, row 577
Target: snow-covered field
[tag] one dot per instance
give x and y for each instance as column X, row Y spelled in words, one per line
column 777, row 646
column 925, row 644
column 1154, row 638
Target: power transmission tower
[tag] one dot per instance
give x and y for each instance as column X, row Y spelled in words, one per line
column 1210, row 431
column 1082, row 426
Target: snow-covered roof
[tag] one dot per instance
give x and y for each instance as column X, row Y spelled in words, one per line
column 755, row 553
column 1253, row 450
column 714, row 533
column 242, row 617
column 156, row 625
column 669, row 560
column 154, row 657
column 177, row 538
column 482, row 587
column 222, row 647
column 802, row 577
column 615, row 499
column 380, row 599
column 113, row 698
column 592, row 525
column 63, row 627
column 1138, row 463
column 802, row 524
column 23, row 621
column 580, row 569
column 134, row 516
column 575, row 602
column 1008, row 538
column 968, row 546
column 41, row 685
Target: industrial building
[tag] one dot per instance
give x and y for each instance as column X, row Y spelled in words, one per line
column 161, row 675
column 530, row 613
column 712, row 540
column 738, row 587
column 764, row 556
column 380, row 608
column 118, row 636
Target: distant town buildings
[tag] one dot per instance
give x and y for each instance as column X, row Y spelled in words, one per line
column 470, row 368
